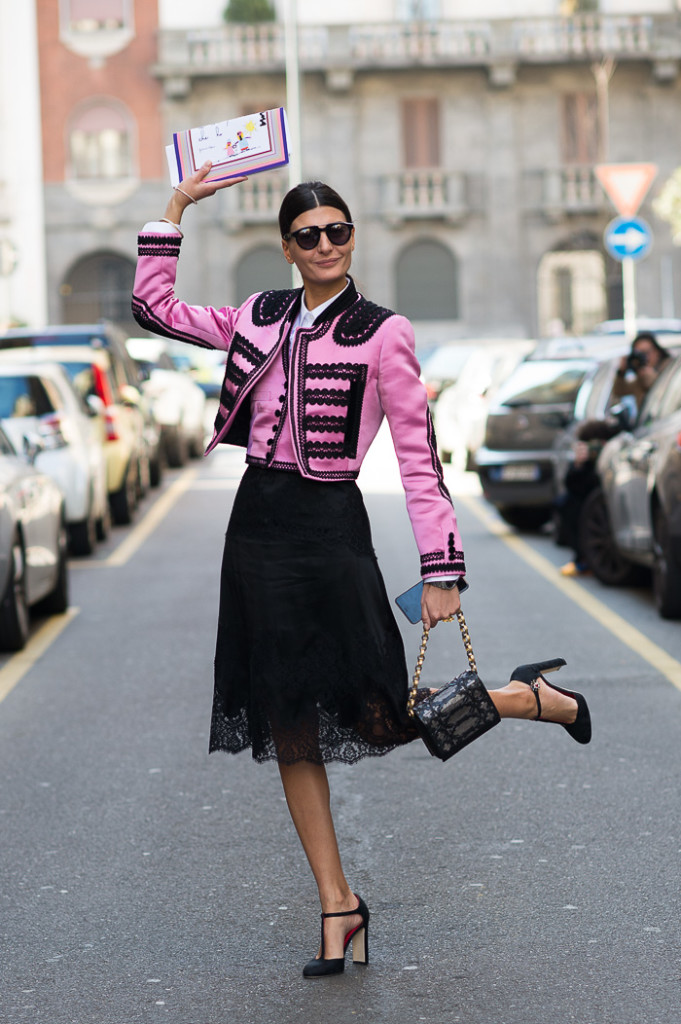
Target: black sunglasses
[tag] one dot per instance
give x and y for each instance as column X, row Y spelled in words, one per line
column 337, row 233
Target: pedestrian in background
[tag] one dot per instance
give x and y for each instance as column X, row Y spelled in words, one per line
column 309, row 664
column 581, row 479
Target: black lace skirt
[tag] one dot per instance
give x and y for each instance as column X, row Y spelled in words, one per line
column 309, row 662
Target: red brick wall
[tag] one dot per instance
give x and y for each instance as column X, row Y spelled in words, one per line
column 67, row 79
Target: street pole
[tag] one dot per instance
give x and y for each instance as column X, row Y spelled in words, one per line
column 293, row 103
column 629, row 296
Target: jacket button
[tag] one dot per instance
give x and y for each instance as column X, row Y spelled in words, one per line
column 282, row 398
column 269, row 440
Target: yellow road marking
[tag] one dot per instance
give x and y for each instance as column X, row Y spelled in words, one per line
column 621, row 628
column 21, row 662
column 145, row 527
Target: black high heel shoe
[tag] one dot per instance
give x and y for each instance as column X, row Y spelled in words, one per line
column 320, row 968
column 580, row 729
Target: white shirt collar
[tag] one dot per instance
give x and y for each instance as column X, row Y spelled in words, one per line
column 306, row 317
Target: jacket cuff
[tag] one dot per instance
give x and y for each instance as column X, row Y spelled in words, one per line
column 159, row 245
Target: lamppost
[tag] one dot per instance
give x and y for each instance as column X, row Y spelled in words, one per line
column 293, row 103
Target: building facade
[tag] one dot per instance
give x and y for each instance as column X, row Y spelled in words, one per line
column 102, row 149
column 463, row 139
column 23, row 298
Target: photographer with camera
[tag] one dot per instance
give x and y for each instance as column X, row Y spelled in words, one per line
column 641, row 367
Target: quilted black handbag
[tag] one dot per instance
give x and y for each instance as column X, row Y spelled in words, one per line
column 458, row 712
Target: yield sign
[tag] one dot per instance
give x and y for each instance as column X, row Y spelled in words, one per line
column 626, row 184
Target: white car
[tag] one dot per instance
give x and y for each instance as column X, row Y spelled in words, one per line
column 33, row 566
column 461, row 409
column 178, row 403
column 37, row 399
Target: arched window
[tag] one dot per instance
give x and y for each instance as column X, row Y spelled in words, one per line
column 95, row 15
column 98, row 286
column 96, row 28
column 427, row 282
column 101, row 143
column 261, row 268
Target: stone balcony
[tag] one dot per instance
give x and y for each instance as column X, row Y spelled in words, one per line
column 564, row 191
column 424, row 194
column 499, row 46
column 254, row 202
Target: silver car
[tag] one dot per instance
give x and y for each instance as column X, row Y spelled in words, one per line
column 636, row 518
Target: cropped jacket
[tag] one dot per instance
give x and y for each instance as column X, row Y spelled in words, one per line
column 330, row 385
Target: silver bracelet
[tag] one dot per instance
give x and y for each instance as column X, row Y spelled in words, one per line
column 178, row 189
column 173, row 225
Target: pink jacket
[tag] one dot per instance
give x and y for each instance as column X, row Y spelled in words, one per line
column 332, row 386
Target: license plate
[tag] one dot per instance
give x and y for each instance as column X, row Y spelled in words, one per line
column 522, row 472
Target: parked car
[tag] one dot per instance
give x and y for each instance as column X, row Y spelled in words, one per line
column 33, row 543
column 178, row 403
column 443, row 366
column 515, row 463
column 37, row 397
column 125, row 381
column 96, row 377
column 460, row 411
column 635, row 519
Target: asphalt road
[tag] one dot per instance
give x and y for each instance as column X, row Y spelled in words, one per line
column 528, row 881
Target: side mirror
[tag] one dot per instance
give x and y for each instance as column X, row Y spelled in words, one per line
column 32, row 447
column 95, row 405
column 625, row 412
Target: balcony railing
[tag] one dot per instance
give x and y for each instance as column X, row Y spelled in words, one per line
column 565, row 190
column 255, row 201
column 424, row 193
column 244, row 48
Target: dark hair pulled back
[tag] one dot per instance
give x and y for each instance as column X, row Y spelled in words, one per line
column 307, row 196
column 648, row 336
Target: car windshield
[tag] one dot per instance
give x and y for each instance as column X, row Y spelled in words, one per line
column 544, row 382
column 446, row 362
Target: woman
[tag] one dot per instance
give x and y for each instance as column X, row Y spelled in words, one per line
column 639, row 370
column 309, row 663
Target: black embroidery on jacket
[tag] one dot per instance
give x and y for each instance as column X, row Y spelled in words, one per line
column 248, row 353
column 359, row 323
column 155, row 245
column 432, row 556
column 435, row 459
column 351, row 397
column 270, row 307
column 147, row 319
column 325, row 424
column 455, row 566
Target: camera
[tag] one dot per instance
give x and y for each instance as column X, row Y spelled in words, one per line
column 635, row 360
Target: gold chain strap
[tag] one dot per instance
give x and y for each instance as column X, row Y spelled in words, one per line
column 465, row 636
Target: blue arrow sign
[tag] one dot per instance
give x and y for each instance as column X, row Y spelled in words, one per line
column 628, row 237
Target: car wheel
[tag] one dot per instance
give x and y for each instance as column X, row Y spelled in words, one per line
column 14, row 618
column 176, row 449
column 530, row 518
column 83, row 536
column 123, row 502
column 196, row 445
column 666, row 570
column 57, row 602
column 156, row 468
column 598, row 544
column 104, row 523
